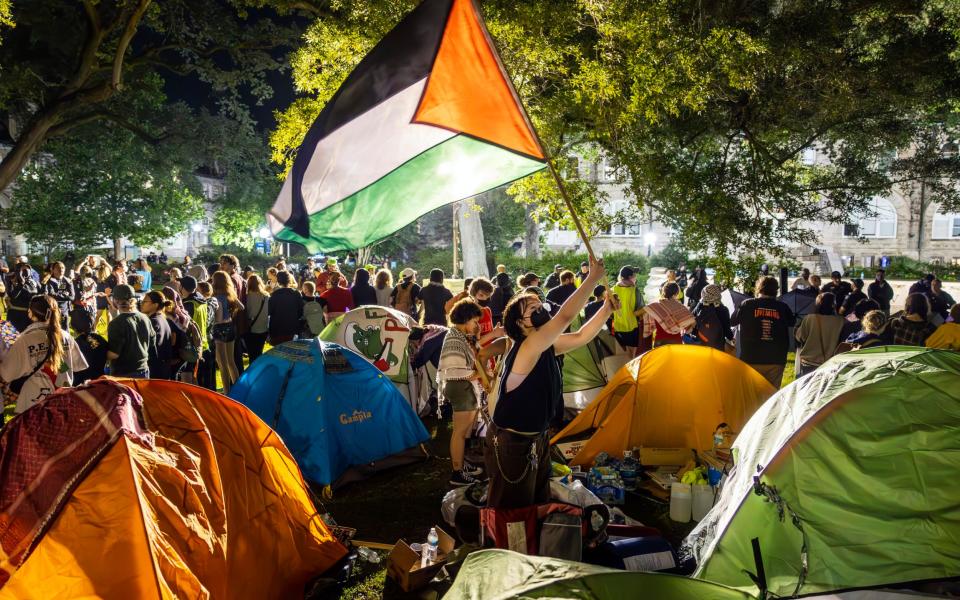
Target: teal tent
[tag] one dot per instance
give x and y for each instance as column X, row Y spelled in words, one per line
column 848, row 478
column 338, row 414
column 505, row 575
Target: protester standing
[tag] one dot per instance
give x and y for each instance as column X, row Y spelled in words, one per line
column 764, row 331
column 285, row 310
column 458, row 385
column 224, row 330
column 563, row 290
column 881, row 291
column 853, row 298
column 531, row 393
column 21, row 290
column 43, row 358
column 695, row 289
column 91, row 345
column 383, row 286
column 839, row 288
column 626, row 320
column 130, row 336
column 257, row 301
column 163, row 352
column 553, row 279
column 60, row 288
column 819, row 334
column 713, row 319
column 336, row 298
column 667, row 319
column 362, row 292
column 406, row 296
column 502, row 293
column 581, row 276
column 435, row 296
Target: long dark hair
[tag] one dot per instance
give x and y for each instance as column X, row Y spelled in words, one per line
column 826, row 304
column 361, row 277
column 45, row 309
column 513, row 314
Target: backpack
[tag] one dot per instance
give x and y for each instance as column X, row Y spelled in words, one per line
column 313, row 317
column 189, row 350
column 403, row 301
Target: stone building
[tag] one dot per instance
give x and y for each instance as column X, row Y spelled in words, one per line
column 902, row 223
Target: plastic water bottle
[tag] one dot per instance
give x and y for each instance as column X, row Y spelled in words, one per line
column 628, row 470
column 430, row 549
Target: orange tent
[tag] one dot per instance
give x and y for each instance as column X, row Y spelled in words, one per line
column 156, row 490
column 671, row 397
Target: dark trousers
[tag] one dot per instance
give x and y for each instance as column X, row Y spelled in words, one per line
column 515, row 479
column 255, row 342
column 145, row 374
column 207, row 371
column 238, row 349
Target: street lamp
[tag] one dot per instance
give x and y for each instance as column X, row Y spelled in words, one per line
column 650, row 239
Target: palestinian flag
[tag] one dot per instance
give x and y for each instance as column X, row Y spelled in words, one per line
column 427, row 118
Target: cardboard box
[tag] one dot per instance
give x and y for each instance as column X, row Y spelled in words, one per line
column 571, row 449
column 403, row 564
column 655, row 457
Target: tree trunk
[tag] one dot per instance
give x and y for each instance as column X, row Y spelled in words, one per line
column 471, row 241
column 117, row 249
column 28, row 143
column 531, row 238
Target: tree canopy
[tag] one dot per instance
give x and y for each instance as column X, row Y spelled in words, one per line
column 68, row 64
column 706, row 110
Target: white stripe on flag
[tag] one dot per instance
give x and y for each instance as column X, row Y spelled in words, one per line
column 360, row 153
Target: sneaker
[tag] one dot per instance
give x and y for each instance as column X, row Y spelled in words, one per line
column 472, row 469
column 461, row 478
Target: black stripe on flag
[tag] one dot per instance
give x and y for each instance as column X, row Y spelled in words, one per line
column 403, row 57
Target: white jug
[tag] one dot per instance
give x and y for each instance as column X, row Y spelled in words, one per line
column 681, row 502
column 702, row 501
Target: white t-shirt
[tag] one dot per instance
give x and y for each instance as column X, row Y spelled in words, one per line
column 27, row 352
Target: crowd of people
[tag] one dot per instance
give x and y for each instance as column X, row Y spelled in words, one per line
column 500, row 359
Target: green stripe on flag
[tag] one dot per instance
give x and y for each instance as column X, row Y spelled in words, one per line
column 456, row 169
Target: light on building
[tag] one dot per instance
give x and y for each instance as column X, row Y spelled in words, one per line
column 650, row 239
column 264, row 232
column 196, row 227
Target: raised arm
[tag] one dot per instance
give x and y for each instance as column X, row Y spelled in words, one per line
column 572, row 341
column 547, row 335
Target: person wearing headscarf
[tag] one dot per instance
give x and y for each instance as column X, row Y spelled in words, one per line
column 177, row 314
column 667, row 319
column 713, row 319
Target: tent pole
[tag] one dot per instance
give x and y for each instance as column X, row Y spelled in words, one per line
column 566, row 199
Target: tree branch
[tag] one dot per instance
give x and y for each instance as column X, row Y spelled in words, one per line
column 97, row 115
column 132, row 24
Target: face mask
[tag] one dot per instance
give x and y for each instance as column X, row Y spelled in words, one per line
column 483, row 302
column 540, row 318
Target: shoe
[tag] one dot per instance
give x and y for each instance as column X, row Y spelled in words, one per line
column 472, row 469
column 461, row 478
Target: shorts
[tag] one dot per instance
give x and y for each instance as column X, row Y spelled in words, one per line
column 629, row 339
column 461, row 395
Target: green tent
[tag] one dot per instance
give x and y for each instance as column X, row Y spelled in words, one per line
column 585, row 369
column 501, row 574
column 853, row 471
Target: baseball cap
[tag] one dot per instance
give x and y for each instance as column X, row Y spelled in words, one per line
column 408, row 272
column 626, row 272
column 585, row 264
column 122, row 293
column 331, row 261
column 557, row 266
column 23, row 259
column 188, row 283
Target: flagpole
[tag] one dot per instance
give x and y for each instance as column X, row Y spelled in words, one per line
column 536, row 134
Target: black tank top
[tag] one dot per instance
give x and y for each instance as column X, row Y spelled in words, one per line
column 536, row 401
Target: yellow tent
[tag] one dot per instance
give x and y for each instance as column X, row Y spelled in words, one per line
column 153, row 489
column 671, row 397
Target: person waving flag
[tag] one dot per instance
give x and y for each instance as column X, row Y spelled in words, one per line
column 428, row 117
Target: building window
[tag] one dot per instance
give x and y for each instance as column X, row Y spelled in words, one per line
column 880, row 221
column 617, row 229
column 946, row 226
column 809, row 156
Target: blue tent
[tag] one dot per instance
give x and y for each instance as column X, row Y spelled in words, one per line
column 338, row 414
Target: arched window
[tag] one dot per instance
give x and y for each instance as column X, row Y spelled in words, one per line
column 946, row 226
column 879, row 221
